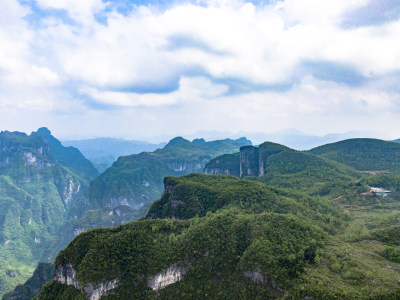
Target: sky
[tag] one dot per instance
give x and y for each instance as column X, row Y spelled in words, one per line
column 141, row 69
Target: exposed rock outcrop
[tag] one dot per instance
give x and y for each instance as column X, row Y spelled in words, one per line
column 167, row 277
column 65, row 274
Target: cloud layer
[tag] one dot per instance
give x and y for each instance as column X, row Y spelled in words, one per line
column 138, row 68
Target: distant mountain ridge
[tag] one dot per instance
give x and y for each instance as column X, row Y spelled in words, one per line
column 137, row 180
column 289, row 137
column 69, row 157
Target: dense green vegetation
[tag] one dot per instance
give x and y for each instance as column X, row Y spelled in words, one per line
column 228, row 164
column 308, row 173
column 196, row 195
column 309, row 227
column 217, row 250
column 301, row 245
column 363, row 154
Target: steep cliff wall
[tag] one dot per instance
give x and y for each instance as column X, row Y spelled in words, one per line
column 249, row 161
column 65, row 274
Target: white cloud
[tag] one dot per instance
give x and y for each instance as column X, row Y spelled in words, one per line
column 160, row 61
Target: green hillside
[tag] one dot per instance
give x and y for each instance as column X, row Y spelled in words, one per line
column 246, row 241
column 363, row 154
column 39, row 199
column 43, row 273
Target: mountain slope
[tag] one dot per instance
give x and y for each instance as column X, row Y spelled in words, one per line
column 38, row 196
column 363, row 154
column 137, row 180
column 69, row 157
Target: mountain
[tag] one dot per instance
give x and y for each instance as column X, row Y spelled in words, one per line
column 43, row 187
column 223, row 237
column 69, row 157
column 137, row 180
column 363, row 154
column 280, row 166
column 397, row 141
column 220, row 252
column 104, row 151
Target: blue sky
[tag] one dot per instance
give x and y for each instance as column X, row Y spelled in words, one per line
column 139, row 69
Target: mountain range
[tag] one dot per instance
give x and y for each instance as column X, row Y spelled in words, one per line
column 49, row 193
column 267, row 222
column 288, row 224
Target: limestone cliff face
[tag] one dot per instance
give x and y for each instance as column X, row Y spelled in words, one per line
column 187, row 167
column 65, row 274
column 167, row 277
column 249, row 161
column 19, row 148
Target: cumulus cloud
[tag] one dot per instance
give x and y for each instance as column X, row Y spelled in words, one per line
column 252, row 61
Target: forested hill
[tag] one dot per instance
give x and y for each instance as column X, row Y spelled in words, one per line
column 231, row 238
column 218, row 254
column 137, row 180
column 363, row 154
